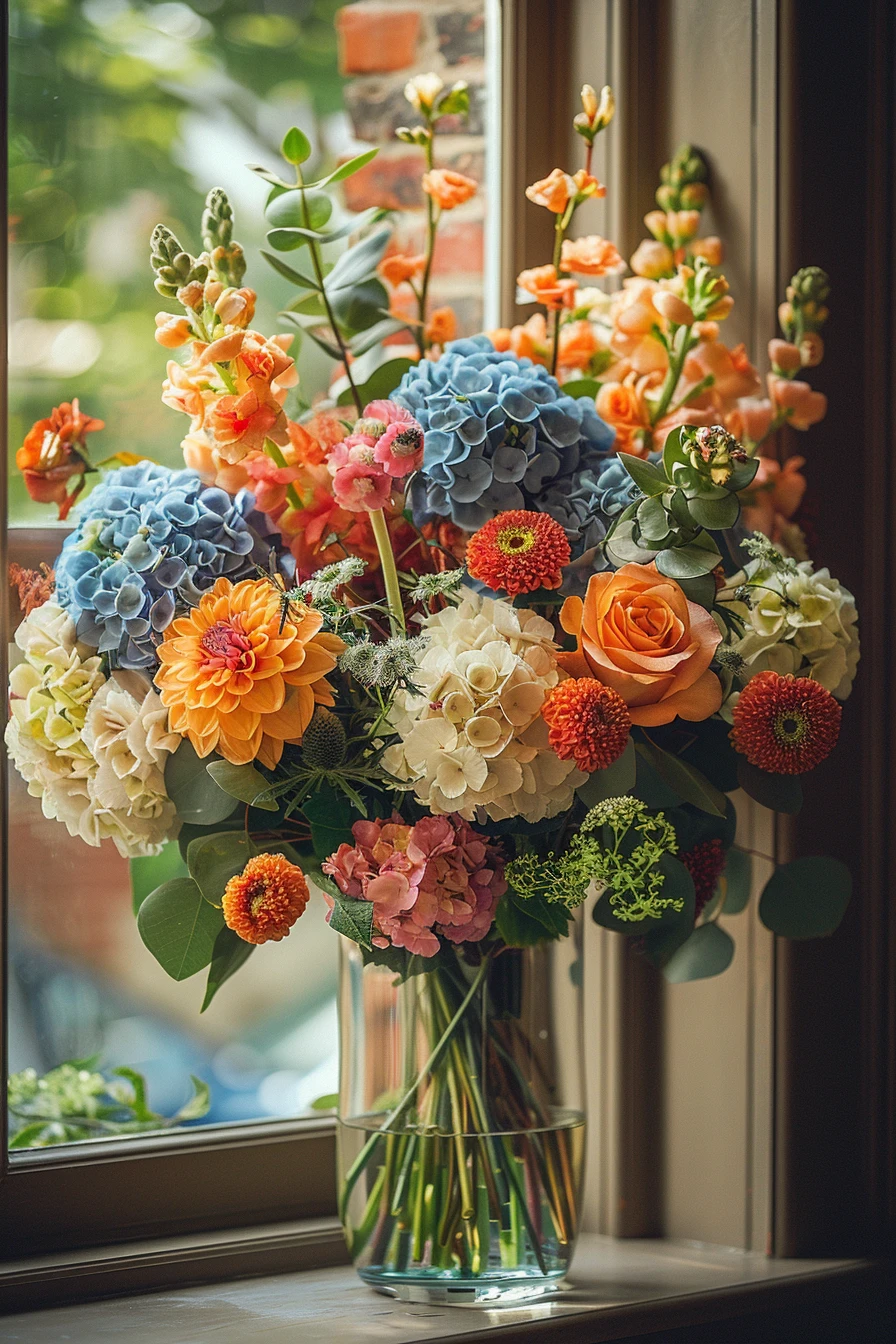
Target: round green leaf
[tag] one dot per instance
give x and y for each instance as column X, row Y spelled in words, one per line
column 687, row 562
column 806, row 898
column 717, row 514
column 737, row 881
column 244, row 782
column 179, row 927
column 782, row 793
column 192, row 790
column 707, row 952
column 214, row 859
column 296, row 147
column 381, row 383
column 287, row 210
column 613, row 782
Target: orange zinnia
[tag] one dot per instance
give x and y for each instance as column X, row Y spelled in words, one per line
column 262, row 903
column 238, row 679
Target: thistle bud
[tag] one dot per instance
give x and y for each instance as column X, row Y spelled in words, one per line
column 324, row 741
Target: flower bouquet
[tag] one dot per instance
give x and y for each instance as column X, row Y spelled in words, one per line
column 493, row 631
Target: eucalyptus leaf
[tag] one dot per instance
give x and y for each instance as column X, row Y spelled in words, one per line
column 347, row 169
column 358, row 262
column 150, row 872
column 179, row 927
column 382, row 382
column 782, row 793
column 214, row 859
column 296, row 146
column 623, row 549
column 717, row 514
column 244, row 782
column 295, row 277
column 360, row 306
column 229, row 954
column 353, row 919
column 268, row 176
column 525, row 923
column 582, row 387
column 742, row 476
column 701, row 590
column 366, row 340
column 653, row 522
column 737, row 880
column 806, row 898
column 647, row 476
column 673, row 453
column 687, row 562
column 615, row 781
column 685, row 780
column 192, row 790
column 298, row 209
column 707, row 952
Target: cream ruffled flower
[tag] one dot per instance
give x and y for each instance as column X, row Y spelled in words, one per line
column 92, row 750
column 800, row 621
column 474, row 738
column 127, row 734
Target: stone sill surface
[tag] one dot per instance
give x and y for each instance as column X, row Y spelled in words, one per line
column 619, row 1288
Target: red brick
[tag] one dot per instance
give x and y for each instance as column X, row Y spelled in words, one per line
column 460, row 247
column 375, row 38
column 391, row 181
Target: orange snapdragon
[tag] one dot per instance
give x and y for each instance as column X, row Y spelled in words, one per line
column 545, row 285
column 448, row 188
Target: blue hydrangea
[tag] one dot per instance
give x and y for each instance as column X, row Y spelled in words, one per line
column 499, row 433
column 150, row 541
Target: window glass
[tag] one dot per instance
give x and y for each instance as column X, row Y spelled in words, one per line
column 124, row 113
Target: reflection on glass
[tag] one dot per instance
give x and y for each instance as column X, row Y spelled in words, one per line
column 124, row 113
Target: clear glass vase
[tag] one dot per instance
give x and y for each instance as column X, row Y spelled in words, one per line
column 461, row 1121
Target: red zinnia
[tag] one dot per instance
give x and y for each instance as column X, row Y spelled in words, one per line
column 518, row 552
column 589, row 723
column 786, row 725
column 705, row 863
column 262, row 903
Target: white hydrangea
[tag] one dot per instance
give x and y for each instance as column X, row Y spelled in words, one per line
column 473, row 741
column 91, row 749
column 799, row 621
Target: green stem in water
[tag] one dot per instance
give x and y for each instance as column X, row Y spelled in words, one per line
column 276, row 456
column 390, row 573
column 398, row 1111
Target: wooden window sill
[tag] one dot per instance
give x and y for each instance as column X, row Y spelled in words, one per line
column 622, row 1289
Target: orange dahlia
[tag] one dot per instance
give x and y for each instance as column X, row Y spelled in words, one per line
column 518, row 552
column 785, row 725
column 589, row 723
column 262, row 903
column 238, row 679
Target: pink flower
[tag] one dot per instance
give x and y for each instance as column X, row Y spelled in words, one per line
column 805, row 406
column 776, row 493
column 360, row 487
column 400, row 449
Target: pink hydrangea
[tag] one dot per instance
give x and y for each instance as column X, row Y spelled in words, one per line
column 438, row 877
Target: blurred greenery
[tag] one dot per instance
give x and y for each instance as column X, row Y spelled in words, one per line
column 123, row 113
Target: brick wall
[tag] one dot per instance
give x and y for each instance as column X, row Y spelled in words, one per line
column 381, row 44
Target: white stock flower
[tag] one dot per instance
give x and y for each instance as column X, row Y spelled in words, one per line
column 423, row 90
column 473, row 740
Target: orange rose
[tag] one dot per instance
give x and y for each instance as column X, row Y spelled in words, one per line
column 547, row 287
column 590, row 256
column 638, row 633
column 448, row 188
column 400, row 268
column 578, row 345
column 441, row 327
column 622, row 405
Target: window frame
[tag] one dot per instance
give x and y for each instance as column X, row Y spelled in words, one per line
column 228, row 1172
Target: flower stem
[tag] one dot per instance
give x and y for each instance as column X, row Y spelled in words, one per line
column 432, row 224
column 314, row 249
column 390, row 573
column 676, row 363
column 276, row 456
